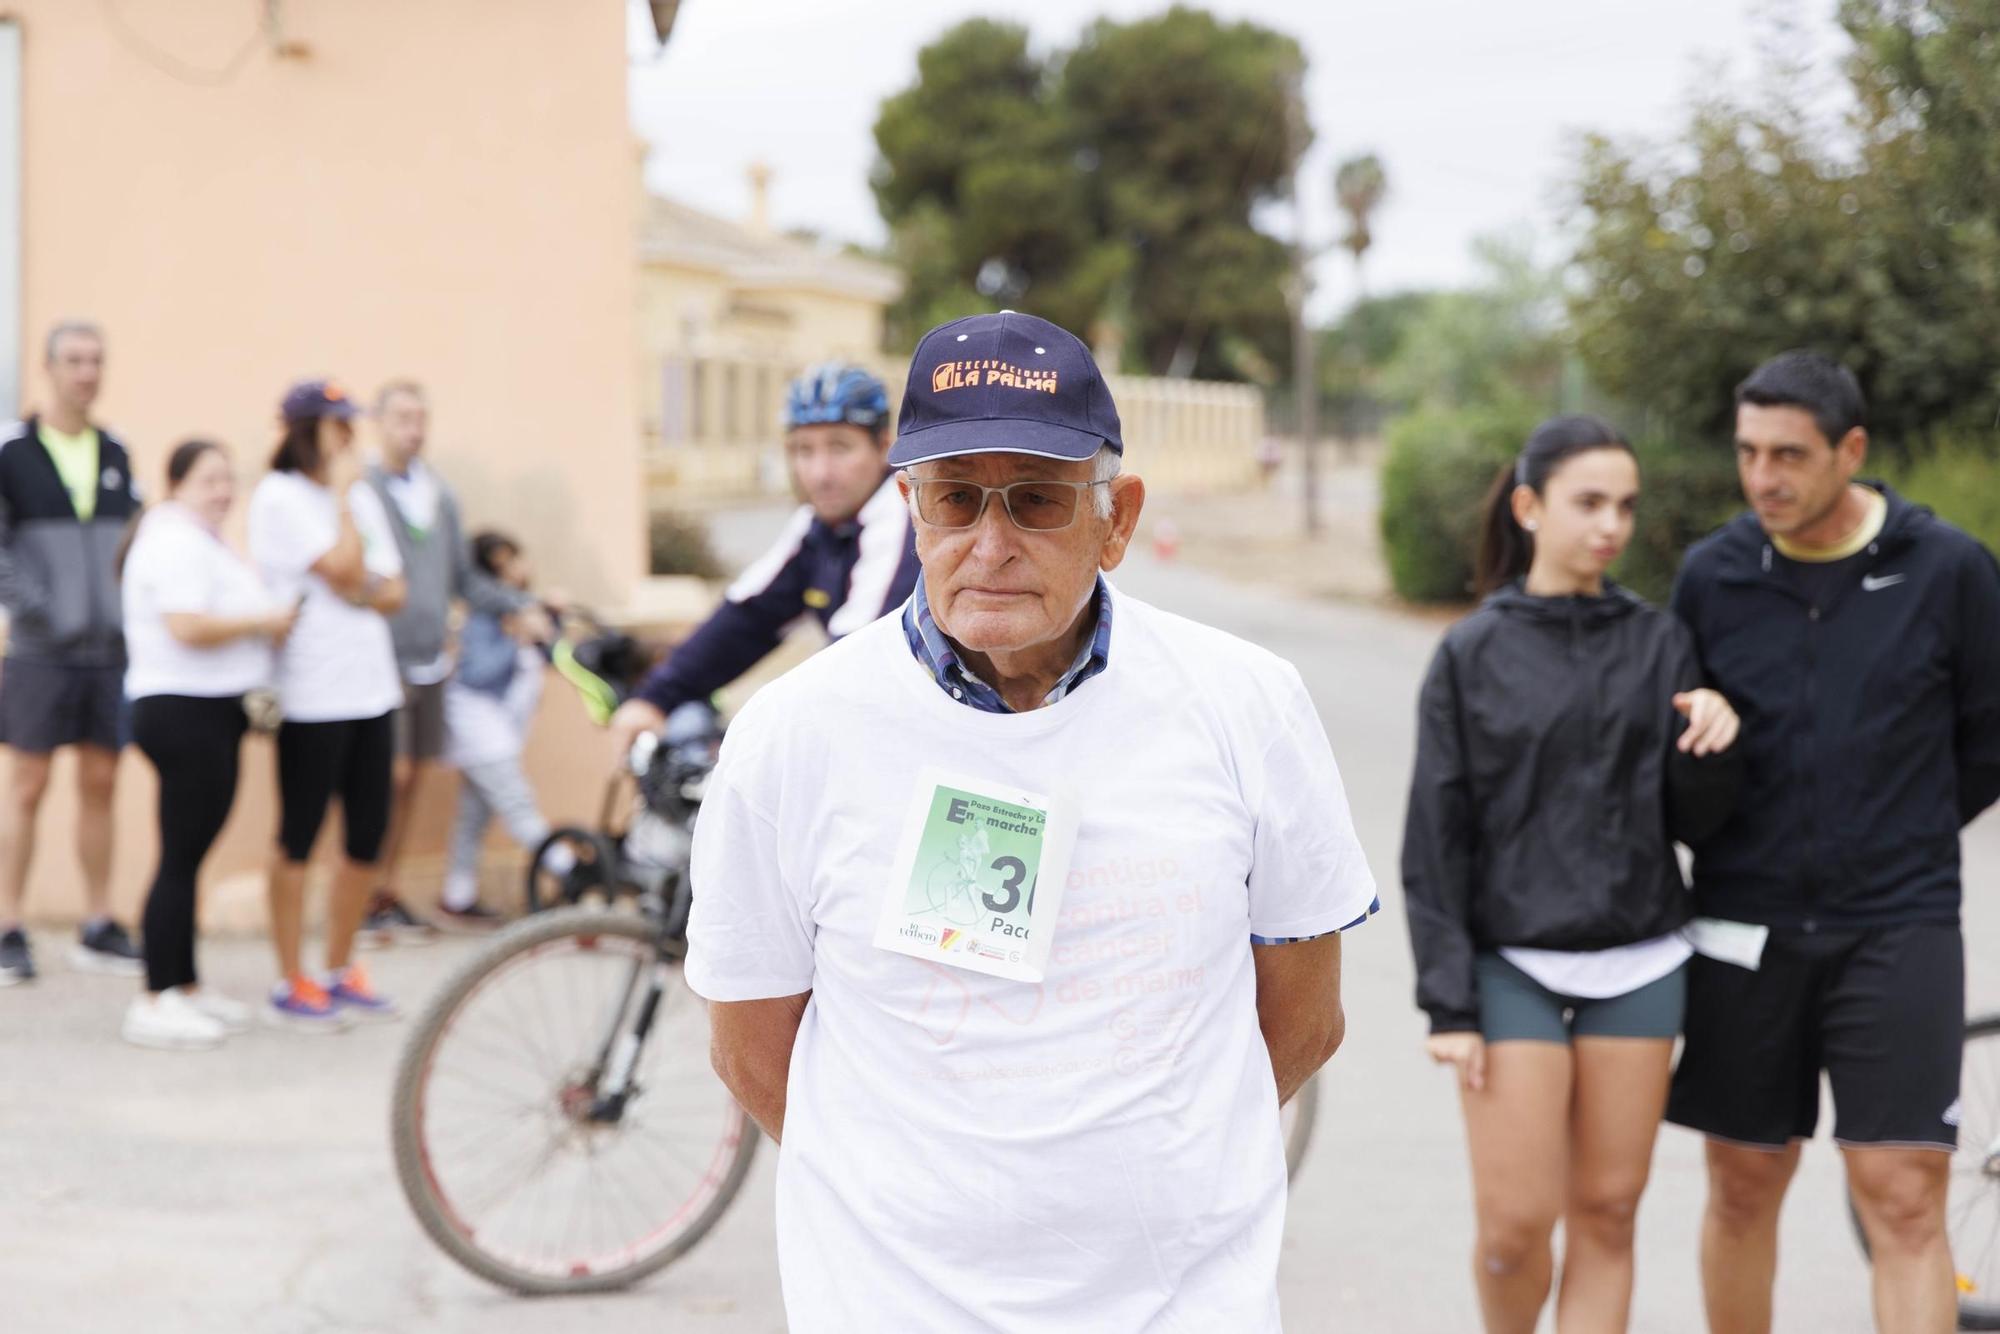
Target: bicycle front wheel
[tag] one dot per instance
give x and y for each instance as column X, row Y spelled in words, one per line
column 503, row 1146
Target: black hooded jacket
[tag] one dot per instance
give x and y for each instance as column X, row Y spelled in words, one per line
column 1548, row 791
column 1871, row 722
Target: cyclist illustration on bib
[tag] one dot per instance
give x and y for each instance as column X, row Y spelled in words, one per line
column 846, row 555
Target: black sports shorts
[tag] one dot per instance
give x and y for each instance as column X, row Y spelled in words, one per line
column 1882, row 1011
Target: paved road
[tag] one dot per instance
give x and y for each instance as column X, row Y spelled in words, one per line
column 250, row 1189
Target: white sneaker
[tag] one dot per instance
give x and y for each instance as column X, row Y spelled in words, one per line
column 233, row 1015
column 170, row 1021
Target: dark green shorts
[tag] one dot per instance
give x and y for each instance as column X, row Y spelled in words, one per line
column 1513, row 1007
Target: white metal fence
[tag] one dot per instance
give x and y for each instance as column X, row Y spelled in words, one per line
column 714, row 433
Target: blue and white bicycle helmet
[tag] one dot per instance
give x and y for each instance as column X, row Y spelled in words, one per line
column 837, row 391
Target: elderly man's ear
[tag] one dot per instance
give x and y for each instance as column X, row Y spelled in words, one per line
column 1128, row 497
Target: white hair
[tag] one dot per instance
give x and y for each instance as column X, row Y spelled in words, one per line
column 1103, row 468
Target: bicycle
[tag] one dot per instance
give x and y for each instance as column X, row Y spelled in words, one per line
column 556, row 1123
column 1972, row 1209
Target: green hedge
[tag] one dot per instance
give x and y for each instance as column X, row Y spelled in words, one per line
column 1957, row 477
column 1435, row 472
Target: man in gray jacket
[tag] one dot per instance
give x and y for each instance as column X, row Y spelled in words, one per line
column 437, row 562
column 66, row 494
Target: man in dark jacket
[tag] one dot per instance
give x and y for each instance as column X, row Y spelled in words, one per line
column 846, row 557
column 66, row 494
column 1859, row 637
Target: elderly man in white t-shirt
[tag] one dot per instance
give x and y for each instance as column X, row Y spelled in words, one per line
column 1020, row 911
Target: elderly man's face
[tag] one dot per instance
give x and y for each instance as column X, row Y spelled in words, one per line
column 998, row 588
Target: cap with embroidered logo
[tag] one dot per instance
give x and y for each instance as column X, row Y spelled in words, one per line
column 317, row 398
column 1004, row 384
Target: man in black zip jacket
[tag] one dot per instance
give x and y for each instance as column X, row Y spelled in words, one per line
column 1858, row 635
column 66, row 494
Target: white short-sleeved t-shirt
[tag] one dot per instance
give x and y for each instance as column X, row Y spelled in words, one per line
column 177, row 565
column 1098, row 1152
column 339, row 662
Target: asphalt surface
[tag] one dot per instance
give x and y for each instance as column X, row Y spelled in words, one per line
column 251, row 1188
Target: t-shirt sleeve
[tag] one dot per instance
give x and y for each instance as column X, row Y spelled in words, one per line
column 750, row 934
column 172, row 569
column 286, row 537
column 1308, row 875
column 379, row 552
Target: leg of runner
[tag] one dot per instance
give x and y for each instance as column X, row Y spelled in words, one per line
column 1739, row 1233
column 96, row 780
column 27, row 780
column 1518, row 1127
column 1900, row 1194
column 1621, row 1093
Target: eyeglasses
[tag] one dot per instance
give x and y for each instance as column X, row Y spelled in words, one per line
column 1039, row 507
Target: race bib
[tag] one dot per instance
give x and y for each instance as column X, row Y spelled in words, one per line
column 978, row 877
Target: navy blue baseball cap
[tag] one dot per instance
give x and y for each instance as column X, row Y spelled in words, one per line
column 318, row 398
column 1004, row 384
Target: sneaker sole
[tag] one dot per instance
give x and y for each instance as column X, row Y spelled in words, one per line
column 156, row 1042
column 10, row 978
column 355, row 1015
column 335, row 1023
column 104, row 965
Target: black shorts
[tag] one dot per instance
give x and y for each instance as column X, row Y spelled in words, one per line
column 316, row 761
column 47, row 705
column 420, row 723
column 1881, row 1011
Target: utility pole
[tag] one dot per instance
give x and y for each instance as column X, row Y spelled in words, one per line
column 1305, row 371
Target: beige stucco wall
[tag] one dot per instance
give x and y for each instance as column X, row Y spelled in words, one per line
column 438, row 188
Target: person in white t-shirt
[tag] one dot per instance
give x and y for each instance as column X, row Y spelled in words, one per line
column 199, row 629
column 321, row 539
column 979, row 892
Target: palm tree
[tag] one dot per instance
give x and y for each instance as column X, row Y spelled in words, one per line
column 1360, row 183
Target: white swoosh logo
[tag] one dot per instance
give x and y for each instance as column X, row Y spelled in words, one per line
column 1872, row 584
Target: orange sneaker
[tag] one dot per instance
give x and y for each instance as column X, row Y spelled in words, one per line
column 301, row 1003
column 353, row 995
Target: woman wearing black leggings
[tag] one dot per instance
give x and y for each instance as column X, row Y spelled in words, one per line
column 198, row 630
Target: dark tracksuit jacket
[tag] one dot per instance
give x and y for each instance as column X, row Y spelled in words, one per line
column 1549, row 789
column 845, row 575
column 1871, row 722
column 58, row 576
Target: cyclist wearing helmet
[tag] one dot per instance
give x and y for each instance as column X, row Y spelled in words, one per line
column 847, row 556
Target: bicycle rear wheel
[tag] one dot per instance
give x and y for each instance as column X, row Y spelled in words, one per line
column 499, row 1145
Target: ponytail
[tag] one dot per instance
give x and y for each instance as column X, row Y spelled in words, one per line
column 1505, row 548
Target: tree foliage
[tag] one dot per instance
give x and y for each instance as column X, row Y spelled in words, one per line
column 1114, row 182
column 1759, row 230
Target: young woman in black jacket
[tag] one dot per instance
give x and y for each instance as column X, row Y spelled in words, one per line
column 1564, row 743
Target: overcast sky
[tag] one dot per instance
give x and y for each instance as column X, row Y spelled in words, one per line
column 1473, row 106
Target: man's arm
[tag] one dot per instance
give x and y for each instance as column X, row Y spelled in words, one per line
column 19, row 594
column 1976, row 686
column 750, row 1044
column 1298, row 1008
